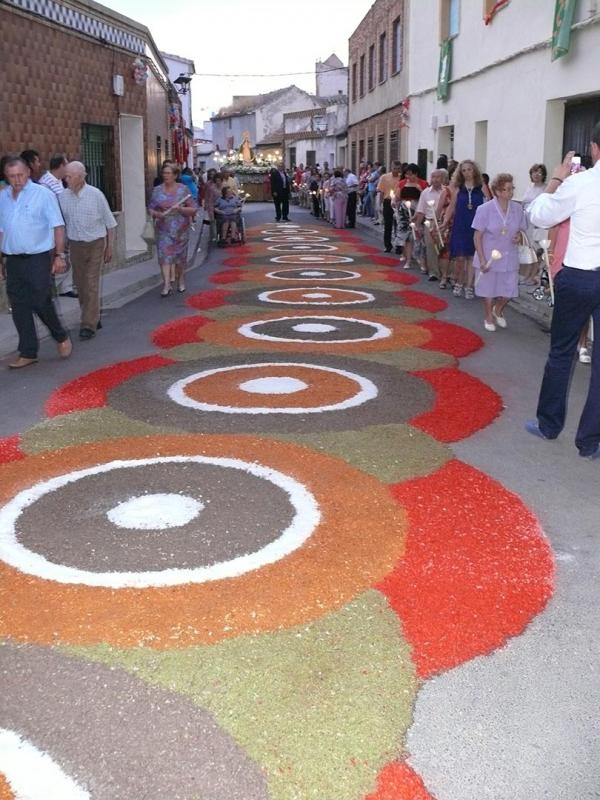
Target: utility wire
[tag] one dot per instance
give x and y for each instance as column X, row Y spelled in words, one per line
column 261, row 75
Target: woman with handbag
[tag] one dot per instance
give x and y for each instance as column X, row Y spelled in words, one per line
column 172, row 207
column 498, row 225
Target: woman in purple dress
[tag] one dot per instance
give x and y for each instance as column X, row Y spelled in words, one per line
column 467, row 196
column 498, row 225
column 172, row 207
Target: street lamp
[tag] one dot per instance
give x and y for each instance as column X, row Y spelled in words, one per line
column 182, row 83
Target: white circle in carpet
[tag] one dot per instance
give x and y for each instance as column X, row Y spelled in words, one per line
column 304, row 519
column 155, row 512
column 280, row 385
column 317, row 327
column 367, row 391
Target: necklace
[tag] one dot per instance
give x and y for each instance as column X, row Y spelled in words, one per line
column 469, row 203
column 503, row 217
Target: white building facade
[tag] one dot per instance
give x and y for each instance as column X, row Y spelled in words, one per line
column 509, row 105
column 260, row 116
column 317, row 136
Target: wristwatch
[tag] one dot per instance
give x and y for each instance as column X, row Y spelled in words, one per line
column 60, row 255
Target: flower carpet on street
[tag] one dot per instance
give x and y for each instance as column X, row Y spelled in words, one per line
column 237, row 559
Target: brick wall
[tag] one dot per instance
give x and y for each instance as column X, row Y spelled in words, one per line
column 53, row 81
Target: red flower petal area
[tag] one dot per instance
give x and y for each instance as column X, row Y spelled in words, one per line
column 451, row 339
column 10, row 449
column 421, row 300
column 463, row 405
column 397, row 781
column 385, row 261
column 400, row 277
column 477, row 567
column 211, row 298
column 226, row 276
column 91, row 390
column 236, row 262
column 179, row 331
column 367, row 248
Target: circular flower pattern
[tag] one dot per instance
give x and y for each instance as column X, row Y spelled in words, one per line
column 331, row 333
column 346, row 532
column 317, row 296
column 313, row 274
column 277, row 395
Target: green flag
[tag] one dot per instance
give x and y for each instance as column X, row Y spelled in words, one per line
column 444, row 70
column 561, row 31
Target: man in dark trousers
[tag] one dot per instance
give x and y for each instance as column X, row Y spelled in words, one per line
column 577, row 290
column 280, row 189
column 33, row 241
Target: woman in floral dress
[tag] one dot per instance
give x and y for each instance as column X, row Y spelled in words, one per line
column 172, row 207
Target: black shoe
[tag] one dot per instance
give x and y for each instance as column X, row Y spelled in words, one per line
column 277, row 219
column 286, row 219
column 86, row 333
column 432, row 278
column 388, row 249
column 68, row 294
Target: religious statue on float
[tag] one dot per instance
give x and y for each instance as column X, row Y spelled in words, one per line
column 246, row 149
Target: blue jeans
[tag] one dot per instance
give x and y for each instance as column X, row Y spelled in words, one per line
column 577, row 299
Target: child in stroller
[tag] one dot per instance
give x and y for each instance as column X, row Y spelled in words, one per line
column 228, row 210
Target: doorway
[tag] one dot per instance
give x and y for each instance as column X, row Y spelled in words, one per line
column 131, row 130
column 580, row 118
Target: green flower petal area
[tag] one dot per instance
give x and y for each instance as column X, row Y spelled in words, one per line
column 410, row 359
column 321, row 708
column 392, row 453
column 85, row 426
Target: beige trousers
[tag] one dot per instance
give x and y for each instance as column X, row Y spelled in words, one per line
column 87, row 259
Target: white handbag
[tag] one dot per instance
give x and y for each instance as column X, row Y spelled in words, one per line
column 527, row 254
column 149, row 234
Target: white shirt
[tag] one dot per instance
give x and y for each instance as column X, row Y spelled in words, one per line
column 49, row 180
column 577, row 199
column 87, row 214
column 429, row 194
column 351, row 182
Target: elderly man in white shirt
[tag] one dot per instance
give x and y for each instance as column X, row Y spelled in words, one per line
column 431, row 203
column 90, row 231
column 577, row 289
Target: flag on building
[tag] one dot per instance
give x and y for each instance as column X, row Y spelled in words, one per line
column 444, row 70
column 492, row 9
column 561, row 30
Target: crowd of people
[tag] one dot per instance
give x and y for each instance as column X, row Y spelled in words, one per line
column 461, row 229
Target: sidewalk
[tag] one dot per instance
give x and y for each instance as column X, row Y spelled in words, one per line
column 537, row 310
column 119, row 287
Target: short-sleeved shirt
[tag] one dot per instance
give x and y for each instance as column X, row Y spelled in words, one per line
column 28, row 223
column 51, row 182
column 86, row 213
